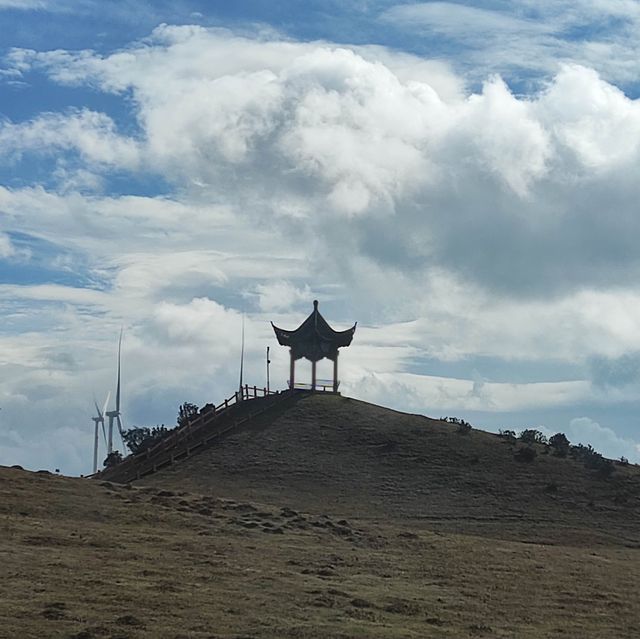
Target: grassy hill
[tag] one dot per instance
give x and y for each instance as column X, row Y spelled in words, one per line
column 327, row 517
column 345, row 457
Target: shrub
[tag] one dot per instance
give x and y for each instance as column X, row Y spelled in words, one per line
column 464, row 428
column 113, row 459
column 623, row 461
column 509, row 435
column 532, row 436
column 581, row 452
column 560, row 444
column 592, row 459
column 186, row 413
column 140, row 439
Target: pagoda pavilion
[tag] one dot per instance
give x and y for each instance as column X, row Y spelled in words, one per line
column 314, row 340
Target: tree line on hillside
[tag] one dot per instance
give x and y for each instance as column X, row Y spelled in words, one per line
column 561, row 447
column 559, row 444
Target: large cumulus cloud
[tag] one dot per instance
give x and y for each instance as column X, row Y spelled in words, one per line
column 525, row 195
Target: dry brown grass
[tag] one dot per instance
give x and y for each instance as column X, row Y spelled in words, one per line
column 314, row 550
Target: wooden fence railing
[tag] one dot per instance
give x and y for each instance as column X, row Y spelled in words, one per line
column 200, row 430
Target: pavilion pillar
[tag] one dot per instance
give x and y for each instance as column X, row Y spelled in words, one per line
column 313, row 375
column 335, row 373
column 292, row 370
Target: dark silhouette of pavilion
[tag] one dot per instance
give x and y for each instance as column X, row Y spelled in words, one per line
column 314, row 340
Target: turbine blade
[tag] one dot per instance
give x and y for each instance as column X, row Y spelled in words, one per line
column 118, row 385
column 104, row 433
column 119, row 424
column 104, row 409
column 121, row 431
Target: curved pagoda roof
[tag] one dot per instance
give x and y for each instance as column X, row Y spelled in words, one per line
column 314, row 338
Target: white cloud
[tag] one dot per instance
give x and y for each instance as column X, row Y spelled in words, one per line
column 460, row 20
column 532, row 36
column 490, row 185
column 53, row 293
column 23, row 4
column 93, row 135
column 280, row 295
column 202, row 321
column 439, row 395
column 586, row 431
column 6, row 247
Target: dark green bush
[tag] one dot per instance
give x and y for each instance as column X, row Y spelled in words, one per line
column 140, row 439
column 113, row 459
column 560, row 444
column 592, row 459
column 464, row 428
column 532, row 436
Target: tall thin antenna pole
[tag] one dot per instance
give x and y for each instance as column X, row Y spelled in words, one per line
column 268, row 362
column 242, row 359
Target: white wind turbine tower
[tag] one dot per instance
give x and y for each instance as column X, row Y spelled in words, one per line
column 115, row 414
column 99, row 419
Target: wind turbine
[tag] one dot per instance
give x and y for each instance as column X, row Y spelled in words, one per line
column 115, row 414
column 99, row 419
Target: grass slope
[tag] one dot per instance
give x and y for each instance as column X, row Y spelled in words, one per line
column 327, row 453
column 332, row 518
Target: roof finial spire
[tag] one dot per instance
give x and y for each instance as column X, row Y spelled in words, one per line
column 315, row 305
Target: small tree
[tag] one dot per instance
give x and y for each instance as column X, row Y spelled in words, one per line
column 186, row 413
column 139, row 439
column 136, row 439
column 113, row 459
column 560, row 444
column 509, row 435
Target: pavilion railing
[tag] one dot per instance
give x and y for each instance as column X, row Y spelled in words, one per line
column 323, row 385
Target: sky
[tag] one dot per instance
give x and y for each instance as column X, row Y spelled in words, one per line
column 460, row 178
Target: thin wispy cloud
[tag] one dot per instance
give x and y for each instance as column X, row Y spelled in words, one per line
column 529, row 39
